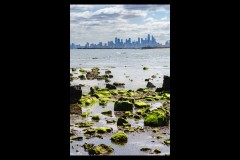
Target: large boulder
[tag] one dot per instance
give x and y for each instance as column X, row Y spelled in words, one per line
column 75, row 94
column 157, row 118
column 123, row 106
column 165, row 86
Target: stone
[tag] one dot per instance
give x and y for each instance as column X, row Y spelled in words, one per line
column 150, row 85
column 111, row 86
column 75, row 94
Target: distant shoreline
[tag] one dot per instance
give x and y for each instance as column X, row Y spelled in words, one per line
column 123, row 48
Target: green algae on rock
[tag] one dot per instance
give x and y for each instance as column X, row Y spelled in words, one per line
column 155, row 130
column 90, row 131
column 119, row 138
column 95, row 117
column 118, row 84
column 88, row 101
column 160, row 137
column 111, row 121
column 141, row 104
column 123, row 106
column 146, row 149
column 100, row 150
column 83, row 71
column 128, row 114
column 167, row 141
column 156, row 118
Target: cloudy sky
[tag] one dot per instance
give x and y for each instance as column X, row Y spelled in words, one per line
column 102, row 23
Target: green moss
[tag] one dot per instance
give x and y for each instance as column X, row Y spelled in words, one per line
column 160, row 137
column 95, row 117
column 122, row 91
column 155, row 130
column 128, row 114
column 145, row 68
column 100, row 150
column 156, row 118
column 83, row 71
column 149, row 98
column 73, row 69
column 85, row 114
column 123, row 106
column 95, row 69
column 119, row 138
column 118, row 84
column 101, row 130
column 107, row 112
column 90, row 131
column 140, row 104
column 88, row 101
column 167, row 141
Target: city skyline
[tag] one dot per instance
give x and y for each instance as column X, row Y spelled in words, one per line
column 148, row 41
column 102, row 23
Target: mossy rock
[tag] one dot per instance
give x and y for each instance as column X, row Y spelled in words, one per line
column 90, row 131
column 82, row 77
column 128, row 114
column 111, row 121
column 122, row 91
column 95, row 117
column 149, row 98
column 95, row 69
column 87, row 146
column 119, row 138
column 83, row 124
column 74, row 69
column 107, row 112
column 121, row 121
column 123, row 106
column 160, row 137
column 88, row 101
column 145, row 68
column 85, row 114
column 71, row 133
column 100, row 150
column 155, row 130
column 157, row 151
column 156, row 118
column 101, row 130
column 83, row 71
column 141, row 104
column 102, row 103
column 77, row 138
column 167, row 141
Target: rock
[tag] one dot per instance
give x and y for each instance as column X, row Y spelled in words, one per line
column 111, row 86
column 156, row 118
column 110, row 76
column 101, row 130
column 75, row 109
column 118, row 84
column 107, row 80
column 167, row 141
column 95, row 117
column 107, row 112
column 145, row 68
column 121, row 121
column 82, row 77
column 108, row 72
column 150, row 85
column 155, row 130
column 140, row 104
column 146, row 149
column 111, row 121
column 166, row 85
column 90, row 131
column 157, row 151
column 100, row 150
column 77, row 138
column 137, row 116
column 87, row 146
column 147, row 79
column 160, row 137
column 123, row 106
column 154, row 76
column 83, row 124
column 75, row 94
column 119, row 138
column 128, row 114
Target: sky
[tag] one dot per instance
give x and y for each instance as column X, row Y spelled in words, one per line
column 102, row 23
